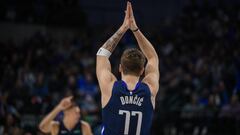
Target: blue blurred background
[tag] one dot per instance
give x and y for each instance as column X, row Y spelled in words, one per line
column 48, row 51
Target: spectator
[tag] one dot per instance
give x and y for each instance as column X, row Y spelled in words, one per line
column 231, row 110
column 193, row 109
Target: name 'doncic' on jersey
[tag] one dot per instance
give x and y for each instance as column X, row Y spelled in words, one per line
column 135, row 100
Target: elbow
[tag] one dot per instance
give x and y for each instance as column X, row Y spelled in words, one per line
column 155, row 56
column 42, row 128
column 154, row 59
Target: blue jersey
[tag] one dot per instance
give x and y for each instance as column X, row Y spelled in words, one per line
column 128, row 112
column 77, row 130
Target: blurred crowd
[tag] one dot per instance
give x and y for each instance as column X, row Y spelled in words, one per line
column 47, row 12
column 199, row 55
column 200, row 63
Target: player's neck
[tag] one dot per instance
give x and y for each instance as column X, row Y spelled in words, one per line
column 68, row 123
column 130, row 80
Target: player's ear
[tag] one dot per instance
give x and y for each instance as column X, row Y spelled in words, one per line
column 142, row 71
column 120, row 68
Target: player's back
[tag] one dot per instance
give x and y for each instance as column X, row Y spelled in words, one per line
column 128, row 112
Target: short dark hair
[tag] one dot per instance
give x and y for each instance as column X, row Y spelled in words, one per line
column 74, row 103
column 72, row 106
column 132, row 61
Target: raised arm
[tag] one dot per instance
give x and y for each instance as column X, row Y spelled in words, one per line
column 48, row 122
column 152, row 69
column 103, row 66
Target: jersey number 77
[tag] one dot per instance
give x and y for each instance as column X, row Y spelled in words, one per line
column 127, row 120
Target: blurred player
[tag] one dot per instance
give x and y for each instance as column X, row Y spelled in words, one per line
column 128, row 104
column 71, row 123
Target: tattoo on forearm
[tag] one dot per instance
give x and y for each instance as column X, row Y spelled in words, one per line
column 112, row 42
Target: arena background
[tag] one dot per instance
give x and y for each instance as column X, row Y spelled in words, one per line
column 48, row 47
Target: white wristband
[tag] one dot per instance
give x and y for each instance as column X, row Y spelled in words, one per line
column 104, row 52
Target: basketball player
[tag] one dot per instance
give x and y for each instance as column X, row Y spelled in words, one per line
column 128, row 104
column 71, row 123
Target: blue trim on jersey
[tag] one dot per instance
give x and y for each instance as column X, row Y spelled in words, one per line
column 102, row 131
column 77, row 127
column 125, row 85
